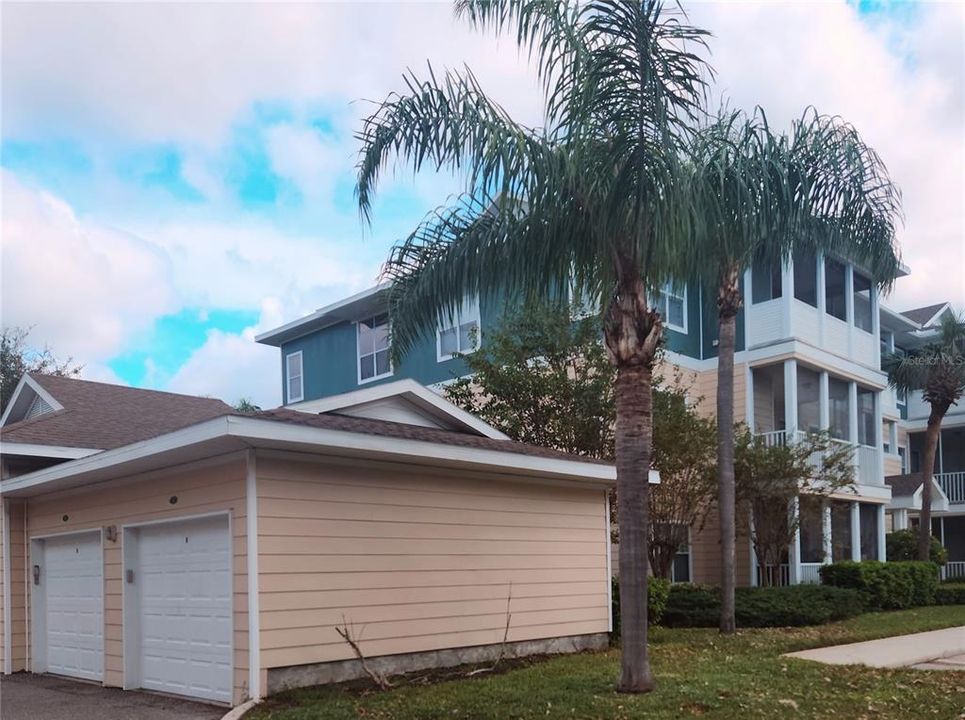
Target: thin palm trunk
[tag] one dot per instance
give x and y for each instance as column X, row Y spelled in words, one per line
column 728, row 305
column 932, row 431
column 634, row 424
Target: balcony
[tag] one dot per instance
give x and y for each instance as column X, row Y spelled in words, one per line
column 865, row 457
column 953, row 485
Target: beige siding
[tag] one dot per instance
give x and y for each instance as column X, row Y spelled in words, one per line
column 418, row 561
column 18, row 588
column 204, row 488
column 705, row 553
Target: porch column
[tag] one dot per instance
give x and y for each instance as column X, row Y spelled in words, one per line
column 849, row 305
column 893, row 437
column 790, row 397
column 787, row 294
column 794, row 551
column 855, row 532
column 882, row 545
column 824, row 401
column 748, row 301
column 853, row 412
column 875, row 324
column 749, row 396
column 879, row 440
column 900, row 518
column 826, row 531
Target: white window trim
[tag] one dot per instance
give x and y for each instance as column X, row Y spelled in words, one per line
column 358, row 358
column 665, row 292
column 301, row 378
column 458, row 319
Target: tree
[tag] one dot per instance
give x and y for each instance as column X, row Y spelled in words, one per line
column 18, row 357
column 771, row 478
column 590, row 198
column 903, row 545
column 757, row 196
column 937, row 369
column 684, row 446
column 246, row 405
column 544, row 379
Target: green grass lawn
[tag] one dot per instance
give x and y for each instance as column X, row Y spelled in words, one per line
column 699, row 674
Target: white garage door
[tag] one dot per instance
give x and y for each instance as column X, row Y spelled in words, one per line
column 74, row 600
column 182, row 573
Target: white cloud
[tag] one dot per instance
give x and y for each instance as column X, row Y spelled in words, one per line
column 85, row 288
column 232, row 367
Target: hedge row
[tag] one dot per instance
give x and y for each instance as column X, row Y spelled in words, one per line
column 950, row 594
column 657, row 591
column 796, row 605
column 886, row 585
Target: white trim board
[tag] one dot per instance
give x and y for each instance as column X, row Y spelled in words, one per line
column 49, row 451
column 36, row 388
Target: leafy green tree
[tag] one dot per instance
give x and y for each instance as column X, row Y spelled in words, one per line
column 937, row 370
column 589, row 198
column 903, row 545
column 758, row 196
column 18, row 357
column 246, row 405
column 770, row 477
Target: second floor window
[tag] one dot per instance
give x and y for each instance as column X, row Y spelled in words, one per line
column 296, row 382
column 671, row 303
column 863, row 317
column 373, row 348
column 460, row 332
column 835, row 303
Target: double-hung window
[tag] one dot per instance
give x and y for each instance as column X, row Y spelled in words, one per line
column 671, row 303
column 295, row 377
column 459, row 332
column 373, row 348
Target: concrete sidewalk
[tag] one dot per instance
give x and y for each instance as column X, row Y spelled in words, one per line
column 901, row 651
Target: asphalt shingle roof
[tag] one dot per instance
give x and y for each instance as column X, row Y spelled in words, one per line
column 904, row 485
column 923, row 314
column 103, row 416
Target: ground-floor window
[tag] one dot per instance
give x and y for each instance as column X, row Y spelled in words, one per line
column 680, row 572
column 840, row 530
column 868, row 516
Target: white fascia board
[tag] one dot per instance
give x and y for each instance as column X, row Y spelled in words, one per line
column 270, row 336
column 438, row 405
column 937, row 315
column 939, row 500
column 255, row 430
column 50, row 451
column 865, row 493
column 37, row 388
column 208, row 430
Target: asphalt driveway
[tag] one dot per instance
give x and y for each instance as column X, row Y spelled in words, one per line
column 43, row 697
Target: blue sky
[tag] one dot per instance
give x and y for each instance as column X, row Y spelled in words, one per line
column 172, row 203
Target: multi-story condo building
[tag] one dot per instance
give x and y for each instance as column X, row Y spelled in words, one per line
column 810, row 342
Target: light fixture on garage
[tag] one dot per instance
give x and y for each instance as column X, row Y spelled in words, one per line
column 173, row 500
column 110, row 532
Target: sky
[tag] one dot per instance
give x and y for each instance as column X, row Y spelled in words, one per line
column 176, row 178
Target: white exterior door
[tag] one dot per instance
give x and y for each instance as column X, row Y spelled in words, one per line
column 73, row 598
column 178, row 581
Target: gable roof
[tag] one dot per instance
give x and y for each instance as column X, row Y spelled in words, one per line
column 404, row 401
column 925, row 315
column 906, row 492
column 100, row 416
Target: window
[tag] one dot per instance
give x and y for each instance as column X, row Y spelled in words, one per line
column 293, row 371
column 459, row 333
column 835, row 303
column 902, row 453
column 806, row 278
column 373, row 346
column 862, row 302
column 838, row 409
column 840, row 531
column 671, row 303
column 765, row 282
column 868, row 518
column 866, row 416
column 811, row 528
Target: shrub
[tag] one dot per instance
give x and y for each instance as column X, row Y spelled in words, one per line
column 657, row 591
column 950, row 594
column 903, row 545
column 699, row 606
column 887, row 586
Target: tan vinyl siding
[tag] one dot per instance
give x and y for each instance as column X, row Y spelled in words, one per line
column 417, row 560
column 18, row 588
column 203, row 488
column 705, row 553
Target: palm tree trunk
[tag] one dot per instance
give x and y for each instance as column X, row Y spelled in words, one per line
column 728, row 303
column 634, row 425
column 932, row 431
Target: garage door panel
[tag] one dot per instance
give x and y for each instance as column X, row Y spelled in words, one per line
column 74, row 602
column 185, row 608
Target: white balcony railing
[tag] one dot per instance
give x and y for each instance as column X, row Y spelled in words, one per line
column 864, row 457
column 953, row 485
column 780, row 575
column 954, row 569
column 810, row 573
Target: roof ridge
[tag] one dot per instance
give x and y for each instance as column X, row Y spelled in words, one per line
column 39, row 376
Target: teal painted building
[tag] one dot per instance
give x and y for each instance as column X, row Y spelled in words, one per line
column 344, row 346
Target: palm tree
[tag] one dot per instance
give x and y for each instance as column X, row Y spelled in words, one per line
column 757, row 196
column 588, row 199
column 937, row 369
